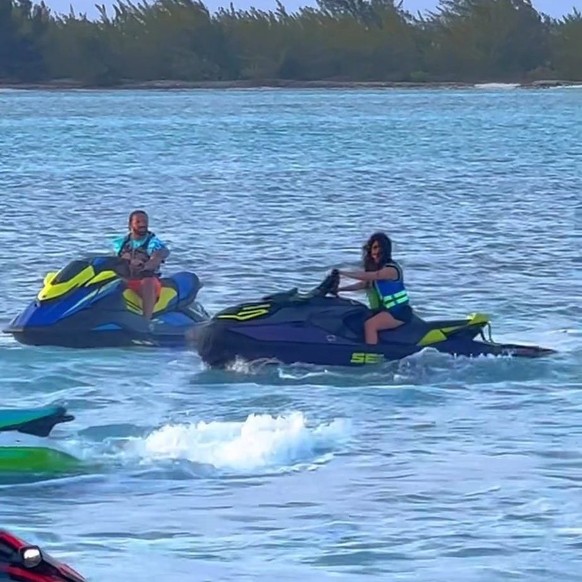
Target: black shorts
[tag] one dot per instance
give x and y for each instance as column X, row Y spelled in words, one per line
column 402, row 313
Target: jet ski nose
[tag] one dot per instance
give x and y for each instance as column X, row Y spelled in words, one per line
column 23, row 561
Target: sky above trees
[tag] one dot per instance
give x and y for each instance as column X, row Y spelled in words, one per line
column 554, row 8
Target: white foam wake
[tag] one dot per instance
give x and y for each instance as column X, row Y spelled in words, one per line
column 496, row 86
column 260, row 442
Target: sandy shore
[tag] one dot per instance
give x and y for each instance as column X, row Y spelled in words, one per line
column 64, row 84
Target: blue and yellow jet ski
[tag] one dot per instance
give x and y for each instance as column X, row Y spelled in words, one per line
column 37, row 422
column 314, row 328
column 87, row 304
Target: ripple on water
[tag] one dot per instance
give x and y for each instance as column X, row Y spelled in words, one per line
column 432, row 468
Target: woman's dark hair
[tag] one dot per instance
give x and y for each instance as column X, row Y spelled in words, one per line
column 385, row 251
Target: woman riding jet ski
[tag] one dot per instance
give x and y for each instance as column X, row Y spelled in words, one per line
column 314, row 328
column 384, row 283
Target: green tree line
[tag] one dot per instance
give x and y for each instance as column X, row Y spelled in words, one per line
column 341, row 40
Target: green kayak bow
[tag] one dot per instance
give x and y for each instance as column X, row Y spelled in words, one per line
column 35, row 460
column 38, row 422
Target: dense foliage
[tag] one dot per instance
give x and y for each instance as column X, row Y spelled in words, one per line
column 356, row 40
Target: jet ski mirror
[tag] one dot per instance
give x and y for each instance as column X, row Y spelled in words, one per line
column 30, row 556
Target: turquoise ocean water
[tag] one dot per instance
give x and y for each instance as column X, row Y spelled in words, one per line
column 432, row 469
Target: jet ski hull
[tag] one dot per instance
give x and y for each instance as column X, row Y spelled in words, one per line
column 37, row 422
column 292, row 328
column 34, row 421
column 88, row 305
column 219, row 348
column 127, row 330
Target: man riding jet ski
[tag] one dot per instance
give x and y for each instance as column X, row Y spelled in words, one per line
column 145, row 253
column 109, row 301
column 290, row 328
column 23, row 562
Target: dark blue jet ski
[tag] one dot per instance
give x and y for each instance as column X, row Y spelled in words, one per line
column 315, row 328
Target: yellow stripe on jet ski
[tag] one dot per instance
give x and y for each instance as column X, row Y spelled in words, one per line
column 135, row 304
column 247, row 312
column 85, row 277
column 103, row 276
column 434, row 336
column 50, row 291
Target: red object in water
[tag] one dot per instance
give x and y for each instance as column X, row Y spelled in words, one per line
column 23, row 562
